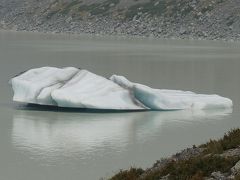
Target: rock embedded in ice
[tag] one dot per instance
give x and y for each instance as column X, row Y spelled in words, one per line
column 78, row 88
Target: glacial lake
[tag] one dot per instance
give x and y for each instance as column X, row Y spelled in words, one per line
column 41, row 144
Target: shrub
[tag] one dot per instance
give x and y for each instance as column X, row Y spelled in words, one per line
column 194, row 168
column 132, row 174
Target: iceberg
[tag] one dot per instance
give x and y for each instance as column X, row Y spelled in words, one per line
column 79, row 88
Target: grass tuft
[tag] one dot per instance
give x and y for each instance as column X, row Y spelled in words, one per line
column 229, row 141
column 131, row 174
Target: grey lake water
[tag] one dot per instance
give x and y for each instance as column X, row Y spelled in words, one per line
column 42, row 144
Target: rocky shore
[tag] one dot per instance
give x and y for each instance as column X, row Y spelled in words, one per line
column 215, row 160
column 180, row 19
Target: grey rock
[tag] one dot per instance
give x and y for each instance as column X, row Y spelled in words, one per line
column 218, row 175
column 156, row 3
column 69, row 19
column 165, row 177
column 236, row 169
column 219, row 21
column 112, row 4
column 182, row 30
column 187, row 153
column 231, row 177
column 231, row 152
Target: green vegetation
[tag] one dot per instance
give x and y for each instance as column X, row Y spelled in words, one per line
column 77, row 8
column 102, row 8
column 193, row 168
column 152, row 7
column 171, row 8
column 237, row 177
column 70, row 6
column 58, row 7
column 132, row 173
column 199, row 166
column 168, row 8
column 229, row 141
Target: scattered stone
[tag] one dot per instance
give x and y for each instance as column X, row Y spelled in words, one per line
column 112, row 4
column 182, row 30
column 236, row 169
column 231, row 177
column 218, row 175
column 193, row 19
column 165, row 177
column 232, row 152
column 69, row 19
column 187, row 153
column 156, row 3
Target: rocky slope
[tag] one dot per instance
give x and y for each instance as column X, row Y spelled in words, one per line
column 205, row 19
column 215, row 160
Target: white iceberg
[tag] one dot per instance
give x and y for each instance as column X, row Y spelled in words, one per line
column 78, row 88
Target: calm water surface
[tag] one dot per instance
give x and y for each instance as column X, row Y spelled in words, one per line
column 46, row 145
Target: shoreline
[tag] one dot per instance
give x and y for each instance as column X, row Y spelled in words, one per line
column 183, row 19
column 214, row 160
column 119, row 36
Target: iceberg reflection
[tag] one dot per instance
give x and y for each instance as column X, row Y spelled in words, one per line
column 58, row 134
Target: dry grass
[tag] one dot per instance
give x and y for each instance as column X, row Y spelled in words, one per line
column 229, row 141
column 194, row 168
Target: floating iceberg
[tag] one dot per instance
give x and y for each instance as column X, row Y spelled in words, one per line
column 78, row 88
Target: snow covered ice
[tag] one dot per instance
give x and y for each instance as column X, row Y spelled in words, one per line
column 78, row 88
